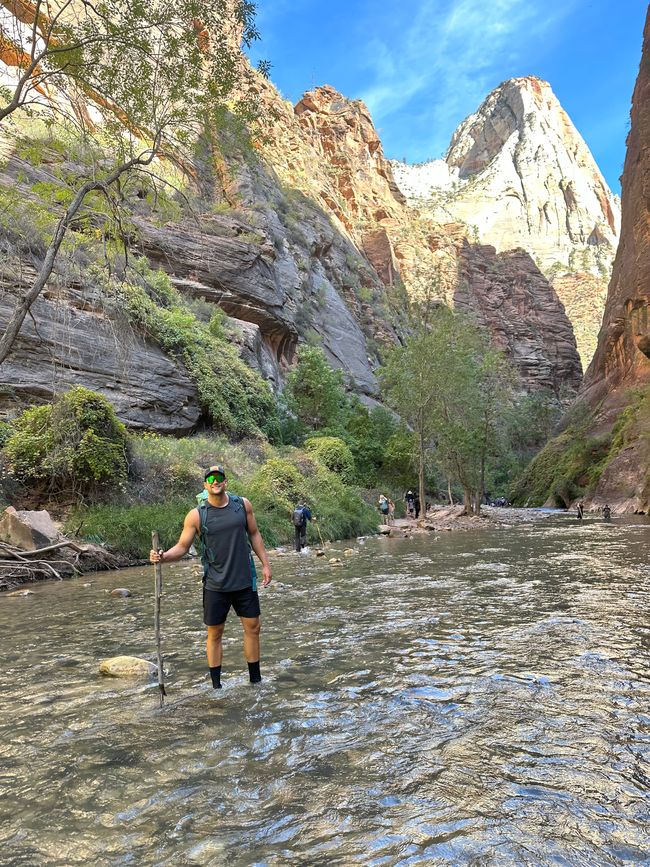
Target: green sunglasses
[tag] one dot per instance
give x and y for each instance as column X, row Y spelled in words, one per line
column 215, row 477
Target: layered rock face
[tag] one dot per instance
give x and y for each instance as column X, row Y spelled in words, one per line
column 519, row 174
column 506, row 293
column 497, row 289
column 305, row 240
column 622, row 359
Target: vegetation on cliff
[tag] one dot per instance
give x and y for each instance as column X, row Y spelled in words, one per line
column 571, row 464
column 235, row 398
column 130, row 86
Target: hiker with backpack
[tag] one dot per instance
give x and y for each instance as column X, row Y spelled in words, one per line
column 384, row 508
column 227, row 528
column 301, row 514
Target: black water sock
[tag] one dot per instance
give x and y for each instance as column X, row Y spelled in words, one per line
column 215, row 674
column 254, row 672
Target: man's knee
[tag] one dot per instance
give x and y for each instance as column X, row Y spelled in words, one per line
column 251, row 625
column 215, row 632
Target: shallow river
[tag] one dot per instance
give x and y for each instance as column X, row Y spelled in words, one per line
column 474, row 698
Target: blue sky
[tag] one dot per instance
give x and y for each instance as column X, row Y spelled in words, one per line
column 422, row 66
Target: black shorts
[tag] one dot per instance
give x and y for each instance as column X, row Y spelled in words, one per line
column 216, row 605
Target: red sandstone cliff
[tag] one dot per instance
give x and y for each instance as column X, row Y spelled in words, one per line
column 622, row 359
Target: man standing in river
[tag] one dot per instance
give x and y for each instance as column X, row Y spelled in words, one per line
column 225, row 525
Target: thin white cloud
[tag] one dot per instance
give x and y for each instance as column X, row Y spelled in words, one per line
column 446, row 59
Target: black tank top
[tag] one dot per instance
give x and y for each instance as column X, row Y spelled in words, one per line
column 229, row 566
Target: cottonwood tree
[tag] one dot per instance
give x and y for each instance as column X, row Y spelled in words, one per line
column 408, row 382
column 453, row 389
column 315, row 392
column 137, row 82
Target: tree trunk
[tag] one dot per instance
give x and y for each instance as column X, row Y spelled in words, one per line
column 451, row 499
column 472, row 502
column 423, row 502
column 25, row 302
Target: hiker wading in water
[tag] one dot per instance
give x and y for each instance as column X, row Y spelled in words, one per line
column 225, row 524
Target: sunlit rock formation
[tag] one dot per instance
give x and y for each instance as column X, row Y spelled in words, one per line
column 621, row 364
column 518, row 174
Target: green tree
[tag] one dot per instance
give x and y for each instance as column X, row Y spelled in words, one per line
column 452, row 388
column 408, row 380
column 368, row 433
column 315, row 393
column 134, row 82
column 74, row 444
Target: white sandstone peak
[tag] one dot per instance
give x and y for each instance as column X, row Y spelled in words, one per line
column 519, row 174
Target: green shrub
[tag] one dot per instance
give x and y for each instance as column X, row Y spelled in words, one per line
column 6, row 431
column 236, row 398
column 280, row 483
column 76, row 443
column 333, row 453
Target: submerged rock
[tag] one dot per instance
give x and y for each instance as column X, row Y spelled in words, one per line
column 21, row 593
column 120, row 591
column 127, row 666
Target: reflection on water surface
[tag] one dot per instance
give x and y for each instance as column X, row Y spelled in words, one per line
column 470, row 699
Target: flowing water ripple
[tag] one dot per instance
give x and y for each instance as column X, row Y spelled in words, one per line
column 475, row 699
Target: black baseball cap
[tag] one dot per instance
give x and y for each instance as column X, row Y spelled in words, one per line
column 216, row 469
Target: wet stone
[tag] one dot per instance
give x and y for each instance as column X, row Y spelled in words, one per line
column 120, row 591
column 127, row 666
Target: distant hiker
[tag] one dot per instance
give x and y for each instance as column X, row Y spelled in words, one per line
column 417, row 506
column 607, row 514
column 409, row 497
column 227, row 528
column 581, row 510
column 391, row 511
column 301, row 515
column 384, row 508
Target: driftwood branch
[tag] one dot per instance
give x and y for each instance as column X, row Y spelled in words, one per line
column 20, row 554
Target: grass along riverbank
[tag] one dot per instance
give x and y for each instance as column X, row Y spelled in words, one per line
column 166, row 475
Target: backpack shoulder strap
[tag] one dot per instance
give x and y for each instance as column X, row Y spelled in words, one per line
column 238, row 503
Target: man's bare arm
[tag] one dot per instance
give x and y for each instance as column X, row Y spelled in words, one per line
column 191, row 528
column 257, row 543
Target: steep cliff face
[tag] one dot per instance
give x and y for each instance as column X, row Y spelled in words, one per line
column 345, row 169
column 508, row 294
column 622, row 359
column 519, row 174
column 281, row 266
column 306, row 239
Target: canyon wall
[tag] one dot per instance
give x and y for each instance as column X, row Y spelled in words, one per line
column 619, row 374
column 306, row 237
column 518, row 174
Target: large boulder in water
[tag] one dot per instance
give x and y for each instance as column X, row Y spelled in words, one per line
column 28, row 530
column 128, row 666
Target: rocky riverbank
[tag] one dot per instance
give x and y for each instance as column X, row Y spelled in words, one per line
column 447, row 518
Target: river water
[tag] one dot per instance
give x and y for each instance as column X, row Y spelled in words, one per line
column 471, row 698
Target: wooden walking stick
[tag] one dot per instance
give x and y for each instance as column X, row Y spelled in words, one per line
column 157, row 568
column 322, row 544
